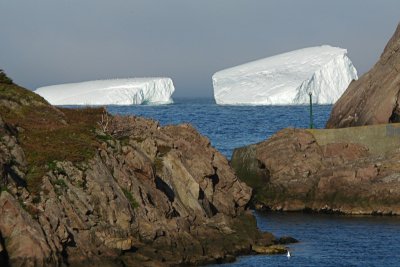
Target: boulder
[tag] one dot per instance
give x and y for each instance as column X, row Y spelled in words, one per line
column 269, row 250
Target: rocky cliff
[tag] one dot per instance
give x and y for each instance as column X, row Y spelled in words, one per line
column 374, row 98
column 352, row 170
column 81, row 187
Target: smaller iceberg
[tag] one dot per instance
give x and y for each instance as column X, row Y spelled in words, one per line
column 287, row 79
column 132, row 91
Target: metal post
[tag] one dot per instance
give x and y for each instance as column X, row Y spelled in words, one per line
column 311, row 115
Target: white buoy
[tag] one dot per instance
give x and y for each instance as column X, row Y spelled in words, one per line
column 288, row 254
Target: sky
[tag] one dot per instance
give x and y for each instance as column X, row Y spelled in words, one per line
column 45, row 42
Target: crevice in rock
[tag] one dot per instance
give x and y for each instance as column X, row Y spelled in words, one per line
column 133, row 249
column 10, row 129
column 264, row 171
column 208, row 207
column 395, row 116
column 3, row 181
column 8, row 171
column 64, row 256
column 165, row 188
column 69, row 243
column 4, row 259
column 150, row 199
column 173, row 213
column 214, row 178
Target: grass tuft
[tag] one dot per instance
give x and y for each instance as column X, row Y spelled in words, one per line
column 131, row 199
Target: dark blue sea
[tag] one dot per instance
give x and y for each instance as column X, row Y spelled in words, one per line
column 325, row 240
column 229, row 127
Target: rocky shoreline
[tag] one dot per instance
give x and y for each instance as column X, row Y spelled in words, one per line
column 82, row 187
column 352, row 170
column 302, row 170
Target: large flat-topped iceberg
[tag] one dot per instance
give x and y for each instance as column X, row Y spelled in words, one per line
column 286, row 79
column 134, row 91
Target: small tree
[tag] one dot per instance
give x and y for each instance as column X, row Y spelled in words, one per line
column 4, row 78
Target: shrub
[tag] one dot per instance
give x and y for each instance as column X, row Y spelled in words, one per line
column 4, row 78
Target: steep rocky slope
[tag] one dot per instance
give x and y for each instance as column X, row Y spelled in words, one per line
column 353, row 170
column 80, row 188
column 374, row 98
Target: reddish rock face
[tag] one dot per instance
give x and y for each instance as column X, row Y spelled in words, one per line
column 163, row 192
column 295, row 173
column 148, row 195
column 374, row 98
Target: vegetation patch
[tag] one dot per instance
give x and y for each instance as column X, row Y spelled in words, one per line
column 105, row 137
column 46, row 133
column 138, row 139
column 60, row 186
column 3, row 188
column 4, row 78
column 53, row 167
column 81, row 184
column 36, row 199
column 162, row 150
column 158, row 164
column 61, row 183
column 131, row 199
column 124, row 140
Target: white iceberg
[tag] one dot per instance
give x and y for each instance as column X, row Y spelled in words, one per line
column 287, row 79
column 133, row 91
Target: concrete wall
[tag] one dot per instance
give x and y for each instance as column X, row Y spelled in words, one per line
column 380, row 139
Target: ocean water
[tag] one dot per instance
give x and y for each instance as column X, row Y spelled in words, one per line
column 330, row 240
column 325, row 240
column 229, row 127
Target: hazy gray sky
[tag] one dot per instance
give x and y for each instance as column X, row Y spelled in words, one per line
column 46, row 42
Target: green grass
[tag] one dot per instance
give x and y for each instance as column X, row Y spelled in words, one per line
column 3, row 188
column 81, row 184
column 105, row 137
column 49, row 134
column 60, row 186
column 131, row 199
column 53, row 166
column 61, row 183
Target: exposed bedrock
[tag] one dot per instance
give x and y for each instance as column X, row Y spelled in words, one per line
column 374, row 98
column 84, row 188
column 351, row 170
